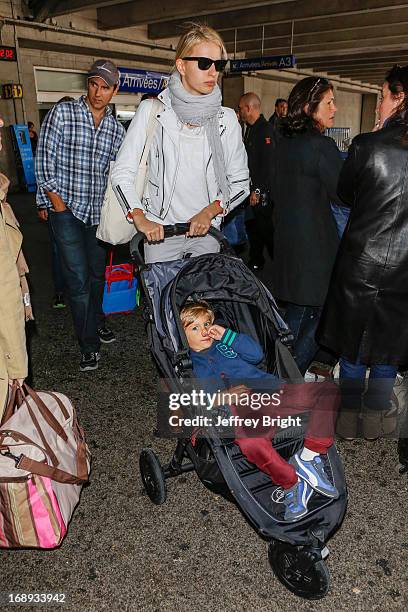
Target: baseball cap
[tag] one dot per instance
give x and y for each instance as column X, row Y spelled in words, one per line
column 106, row 70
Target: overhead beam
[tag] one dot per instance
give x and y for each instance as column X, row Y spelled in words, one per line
column 350, row 50
column 380, row 61
column 398, row 58
column 383, row 18
column 382, row 71
column 377, row 71
column 42, row 10
column 139, row 12
column 273, row 14
column 345, row 36
column 316, row 49
column 378, row 53
column 356, row 73
column 368, row 78
column 338, row 67
column 46, row 45
column 372, row 75
column 361, row 67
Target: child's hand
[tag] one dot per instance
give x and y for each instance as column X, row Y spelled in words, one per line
column 216, row 332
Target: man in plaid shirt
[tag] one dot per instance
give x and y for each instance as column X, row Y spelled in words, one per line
column 77, row 141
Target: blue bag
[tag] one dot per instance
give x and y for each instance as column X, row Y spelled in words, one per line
column 121, row 294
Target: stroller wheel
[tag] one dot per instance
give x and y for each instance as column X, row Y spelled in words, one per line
column 152, row 476
column 297, row 571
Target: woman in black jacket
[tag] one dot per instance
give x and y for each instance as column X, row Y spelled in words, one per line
column 365, row 318
column 306, row 167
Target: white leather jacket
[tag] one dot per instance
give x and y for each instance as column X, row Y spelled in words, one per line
column 163, row 161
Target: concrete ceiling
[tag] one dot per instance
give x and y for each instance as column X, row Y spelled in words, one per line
column 357, row 39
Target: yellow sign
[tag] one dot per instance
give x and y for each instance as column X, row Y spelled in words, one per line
column 12, row 90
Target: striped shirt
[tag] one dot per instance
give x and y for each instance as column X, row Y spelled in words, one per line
column 73, row 158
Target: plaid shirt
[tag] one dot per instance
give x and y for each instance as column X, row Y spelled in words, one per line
column 73, row 158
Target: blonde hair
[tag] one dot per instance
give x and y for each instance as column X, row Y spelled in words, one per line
column 190, row 312
column 196, row 34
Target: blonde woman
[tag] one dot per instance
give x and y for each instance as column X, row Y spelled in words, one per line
column 197, row 166
column 13, row 354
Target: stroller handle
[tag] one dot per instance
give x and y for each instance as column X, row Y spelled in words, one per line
column 175, row 230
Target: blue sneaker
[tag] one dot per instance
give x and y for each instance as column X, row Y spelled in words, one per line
column 313, row 473
column 296, row 499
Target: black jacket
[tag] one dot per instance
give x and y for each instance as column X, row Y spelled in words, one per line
column 276, row 122
column 367, row 303
column 258, row 142
column 304, row 174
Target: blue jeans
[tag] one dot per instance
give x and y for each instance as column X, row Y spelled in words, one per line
column 303, row 322
column 57, row 275
column 379, row 387
column 234, row 227
column 83, row 260
column 341, row 216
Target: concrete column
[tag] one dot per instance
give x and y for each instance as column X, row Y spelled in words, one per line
column 368, row 106
column 232, row 90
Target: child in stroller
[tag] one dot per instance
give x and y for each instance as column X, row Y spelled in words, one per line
column 222, row 355
column 297, row 550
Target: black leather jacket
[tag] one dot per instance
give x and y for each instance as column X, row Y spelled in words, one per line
column 367, row 305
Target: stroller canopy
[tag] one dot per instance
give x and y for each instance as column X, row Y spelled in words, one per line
column 240, row 300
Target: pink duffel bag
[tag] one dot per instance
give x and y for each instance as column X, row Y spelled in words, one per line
column 44, row 462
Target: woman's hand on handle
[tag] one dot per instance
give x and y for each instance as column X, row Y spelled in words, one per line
column 201, row 222
column 154, row 232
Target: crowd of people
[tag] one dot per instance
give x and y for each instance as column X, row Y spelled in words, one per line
column 346, row 297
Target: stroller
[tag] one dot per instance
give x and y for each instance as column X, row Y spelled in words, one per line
column 297, row 550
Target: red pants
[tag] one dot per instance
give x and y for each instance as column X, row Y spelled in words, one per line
column 320, row 400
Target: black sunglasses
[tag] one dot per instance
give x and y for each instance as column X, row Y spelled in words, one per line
column 204, row 63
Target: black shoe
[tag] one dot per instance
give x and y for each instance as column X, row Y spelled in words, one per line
column 106, row 335
column 58, row 301
column 89, row 361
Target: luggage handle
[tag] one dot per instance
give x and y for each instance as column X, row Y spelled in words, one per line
column 18, row 437
column 9, row 411
column 110, row 266
column 82, row 468
column 46, row 414
column 22, row 462
column 176, row 230
column 43, row 469
column 111, row 279
column 48, row 448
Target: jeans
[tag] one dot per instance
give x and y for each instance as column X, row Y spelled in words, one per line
column 234, row 227
column 83, row 260
column 341, row 215
column 379, row 386
column 303, row 322
column 57, row 275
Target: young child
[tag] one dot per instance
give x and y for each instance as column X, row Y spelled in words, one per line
column 225, row 356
